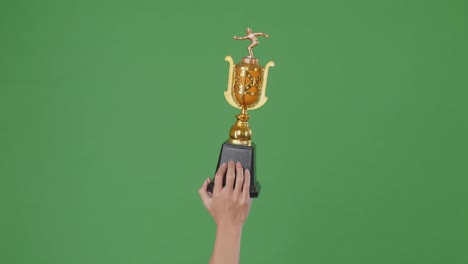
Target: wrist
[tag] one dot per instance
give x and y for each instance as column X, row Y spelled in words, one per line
column 229, row 228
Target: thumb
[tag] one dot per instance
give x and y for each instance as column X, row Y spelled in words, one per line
column 204, row 193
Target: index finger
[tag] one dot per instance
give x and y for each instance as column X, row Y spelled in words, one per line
column 218, row 181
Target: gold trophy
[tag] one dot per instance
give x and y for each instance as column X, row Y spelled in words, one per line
column 246, row 91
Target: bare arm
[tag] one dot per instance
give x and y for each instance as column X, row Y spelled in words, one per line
column 229, row 207
column 227, row 245
column 262, row 34
column 240, row 38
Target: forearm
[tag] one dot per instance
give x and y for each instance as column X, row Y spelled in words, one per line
column 227, row 245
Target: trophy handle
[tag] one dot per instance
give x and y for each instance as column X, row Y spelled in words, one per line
column 263, row 97
column 227, row 93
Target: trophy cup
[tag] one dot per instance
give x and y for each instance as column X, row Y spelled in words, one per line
column 246, row 91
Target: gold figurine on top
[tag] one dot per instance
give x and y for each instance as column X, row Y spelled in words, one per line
column 246, row 88
column 253, row 38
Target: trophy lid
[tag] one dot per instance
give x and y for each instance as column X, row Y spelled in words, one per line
column 249, row 60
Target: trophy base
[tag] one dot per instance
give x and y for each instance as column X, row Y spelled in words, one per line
column 244, row 155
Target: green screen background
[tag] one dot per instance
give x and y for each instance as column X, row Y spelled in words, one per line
column 112, row 114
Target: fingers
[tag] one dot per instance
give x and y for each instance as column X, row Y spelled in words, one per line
column 246, row 188
column 203, row 192
column 218, row 181
column 230, row 176
column 239, row 178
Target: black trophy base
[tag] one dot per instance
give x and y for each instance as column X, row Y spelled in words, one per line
column 244, row 155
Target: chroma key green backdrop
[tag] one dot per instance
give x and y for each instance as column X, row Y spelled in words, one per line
column 112, row 114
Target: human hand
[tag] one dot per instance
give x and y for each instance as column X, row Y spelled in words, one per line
column 267, row 36
column 236, row 37
column 229, row 206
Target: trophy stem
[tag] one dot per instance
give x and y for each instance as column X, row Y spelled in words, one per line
column 244, row 113
column 240, row 133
